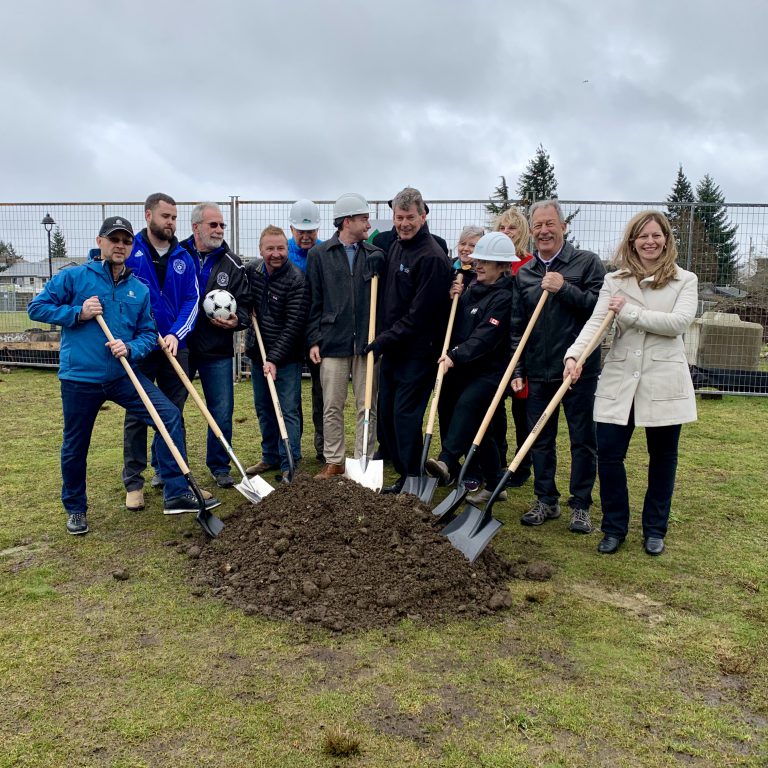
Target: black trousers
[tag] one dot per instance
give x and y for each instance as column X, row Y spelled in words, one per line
column 404, row 387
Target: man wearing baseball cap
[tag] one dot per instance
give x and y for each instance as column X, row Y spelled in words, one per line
column 90, row 370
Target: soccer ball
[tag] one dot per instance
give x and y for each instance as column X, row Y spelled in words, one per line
column 219, row 304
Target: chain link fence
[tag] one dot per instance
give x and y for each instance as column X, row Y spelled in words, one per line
column 727, row 247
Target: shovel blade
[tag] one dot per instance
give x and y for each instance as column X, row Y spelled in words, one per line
column 471, row 531
column 422, row 486
column 254, row 488
column 451, row 503
column 371, row 477
column 211, row 524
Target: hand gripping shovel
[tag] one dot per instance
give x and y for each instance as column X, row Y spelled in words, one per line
column 424, row 486
column 253, row 489
column 362, row 471
column 451, row 503
column 471, row 531
column 211, row 524
column 275, row 403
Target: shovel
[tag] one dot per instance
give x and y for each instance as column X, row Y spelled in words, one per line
column 451, row 503
column 211, row 524
column 423, row 485
column 471, row 531
column 275, row 403
column 362, row 471
column 254, row 490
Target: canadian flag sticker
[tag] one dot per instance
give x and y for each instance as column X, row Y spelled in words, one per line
column 493, row 321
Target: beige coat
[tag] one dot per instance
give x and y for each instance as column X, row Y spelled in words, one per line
column 646, row 364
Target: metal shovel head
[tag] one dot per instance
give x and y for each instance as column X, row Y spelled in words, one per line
column 471, row 531
column 254, row 488
column 371, row 477
column 422, row 486
column 448, row 506
column 211, row 524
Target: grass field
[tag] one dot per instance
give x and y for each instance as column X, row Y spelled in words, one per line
column 14, row 322
column 617, row 661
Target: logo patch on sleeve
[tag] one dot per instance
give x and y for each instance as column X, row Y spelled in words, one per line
column 493, row 321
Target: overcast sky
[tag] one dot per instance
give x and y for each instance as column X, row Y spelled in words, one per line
column 305, row 98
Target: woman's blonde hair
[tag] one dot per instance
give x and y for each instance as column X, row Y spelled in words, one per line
column 515, row 217
column 626, row 256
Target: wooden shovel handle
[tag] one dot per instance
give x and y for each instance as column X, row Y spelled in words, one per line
column 270, row 380
column 147, row 403
column 369, row 363
column 560, row 394
column 441, row 367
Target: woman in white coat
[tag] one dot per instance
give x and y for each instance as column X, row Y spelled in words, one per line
column 645, row 379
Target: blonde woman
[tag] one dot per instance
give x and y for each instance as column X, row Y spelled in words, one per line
column 645, row 380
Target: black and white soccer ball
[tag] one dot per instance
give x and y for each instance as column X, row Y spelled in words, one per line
column 219, row 304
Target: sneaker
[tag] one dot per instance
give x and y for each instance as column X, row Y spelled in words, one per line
column 134, row 500
column 77, row 523
column 187, row 503
column 156, row 481
column 482, row 497
column 580, row 522
column 225, row 480
column 472, row 484
column 540, row 512
column 438, row 469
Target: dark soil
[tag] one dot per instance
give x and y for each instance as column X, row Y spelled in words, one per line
column 335, row 554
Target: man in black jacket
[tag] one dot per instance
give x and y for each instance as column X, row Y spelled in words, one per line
column 279, row 303
column 339, row 271
column 414, row 313
column 385, row 240
column 573, row 279
column 211, row 346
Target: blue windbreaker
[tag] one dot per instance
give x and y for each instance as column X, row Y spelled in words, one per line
column 127, row 312
column 299, row 255
column 175, row 305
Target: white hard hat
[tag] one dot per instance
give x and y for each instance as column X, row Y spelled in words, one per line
column 495, row 247
column 350, row 204
column 304, row 215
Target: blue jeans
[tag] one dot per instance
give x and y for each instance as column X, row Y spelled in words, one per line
column 219, row 390
column 81, row 402
column 612, row 443
column 577, row 404
column 288, row 386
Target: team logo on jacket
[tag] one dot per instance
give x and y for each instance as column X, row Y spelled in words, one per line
column 222, row 279
column 179, row 266
column 493, row 321
column 405, row 269
column 473, row 311
column 132, row 294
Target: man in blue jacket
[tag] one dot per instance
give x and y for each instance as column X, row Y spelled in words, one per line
column 90, row 370
column 168, row 272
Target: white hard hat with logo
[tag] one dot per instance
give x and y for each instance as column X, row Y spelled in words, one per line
column 350, row 204
column 495, row 247
column 305, row 215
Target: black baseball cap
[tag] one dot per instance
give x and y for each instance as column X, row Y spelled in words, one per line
column 115, row 224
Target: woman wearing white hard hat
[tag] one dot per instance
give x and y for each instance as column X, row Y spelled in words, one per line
column 477, row 356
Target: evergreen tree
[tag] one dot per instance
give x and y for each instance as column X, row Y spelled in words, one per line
column 718, row 241
column 8, row 255
column 58, row 245
column 499, row 201
column 538, row 181
column 679, row 211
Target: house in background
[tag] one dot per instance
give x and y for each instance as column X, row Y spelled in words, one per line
column 25, row 279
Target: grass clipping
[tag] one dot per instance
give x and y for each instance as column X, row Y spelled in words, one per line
column 335, row 554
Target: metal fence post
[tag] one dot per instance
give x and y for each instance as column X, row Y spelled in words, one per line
column 689, row 249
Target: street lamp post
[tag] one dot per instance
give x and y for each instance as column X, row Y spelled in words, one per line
column 49, row 224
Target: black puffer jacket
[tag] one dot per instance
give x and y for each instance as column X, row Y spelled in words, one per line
column 340, row 301
column 414, row 305
column 280, row 303
column 479, row 342
column 563, row 316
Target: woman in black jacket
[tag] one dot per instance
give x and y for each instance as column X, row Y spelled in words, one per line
column 475, row 363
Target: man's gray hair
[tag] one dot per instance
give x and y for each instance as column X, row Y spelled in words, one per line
column 553, row 203
column 197, row 212
column 408, row 197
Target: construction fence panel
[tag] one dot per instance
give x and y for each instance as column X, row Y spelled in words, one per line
column 727, row 247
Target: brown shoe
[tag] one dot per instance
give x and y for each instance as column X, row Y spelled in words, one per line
column 134, row 500
column 260, row 468
column 329, row 471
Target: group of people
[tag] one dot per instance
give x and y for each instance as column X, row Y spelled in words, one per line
column 310, row 303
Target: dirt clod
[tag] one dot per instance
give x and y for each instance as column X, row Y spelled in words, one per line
column 342, row 557
column 120, row 574
column 539, row 571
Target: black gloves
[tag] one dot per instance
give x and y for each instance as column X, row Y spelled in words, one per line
column 374, row 347
column 375, row 262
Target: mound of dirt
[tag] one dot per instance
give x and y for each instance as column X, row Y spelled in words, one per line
column 335, row 554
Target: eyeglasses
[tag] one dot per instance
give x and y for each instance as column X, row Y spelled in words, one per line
column 217, row 225
column 124, row 240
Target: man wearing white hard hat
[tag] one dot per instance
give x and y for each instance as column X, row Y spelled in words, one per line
column 304, row 220
column 339, row 273
column 477, row 355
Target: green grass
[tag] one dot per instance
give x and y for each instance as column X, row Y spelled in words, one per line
column 15, row 322
column 617, row 661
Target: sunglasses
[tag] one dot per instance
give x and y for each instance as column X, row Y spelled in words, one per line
column 217, row 225
column 124, row 240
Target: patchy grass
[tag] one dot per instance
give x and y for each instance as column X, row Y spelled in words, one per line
column 617, row 661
